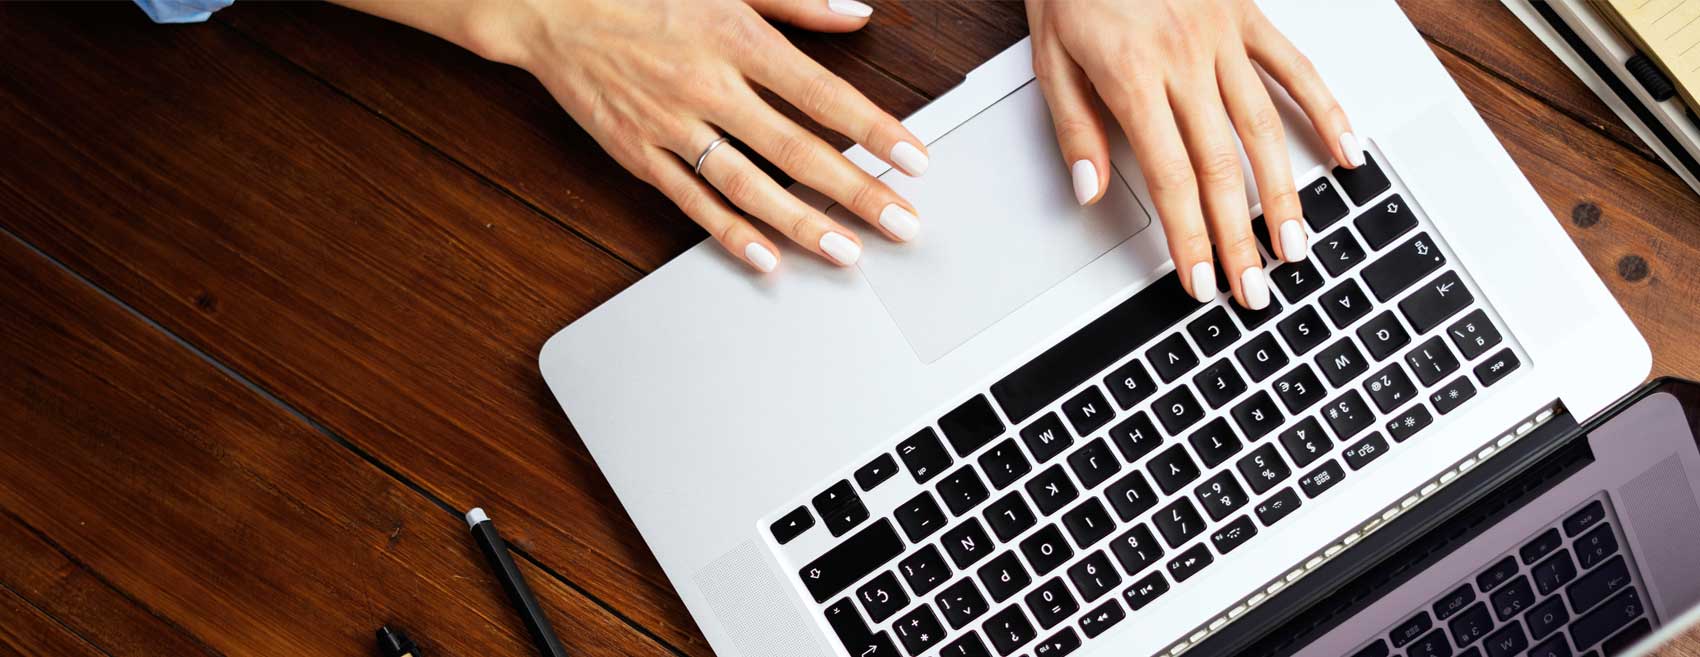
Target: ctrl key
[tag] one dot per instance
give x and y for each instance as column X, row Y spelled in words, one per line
column 854, row 633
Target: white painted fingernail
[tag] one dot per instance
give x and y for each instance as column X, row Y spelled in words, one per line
column 849, row 8
column 1255, row 286
column 762, row 258
column 1085, row 181
column 1354, row 151
column 899, row 222
column 908, row 158
column 840, row 249
column 1293, row 240
column 1203, row 282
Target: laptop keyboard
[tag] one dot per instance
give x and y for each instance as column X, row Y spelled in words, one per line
column 1104, row 473
column 1565, row 591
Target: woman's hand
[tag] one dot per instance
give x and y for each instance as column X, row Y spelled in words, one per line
column 1178, row 76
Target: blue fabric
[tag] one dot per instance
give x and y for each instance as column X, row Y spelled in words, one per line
column 181, row 11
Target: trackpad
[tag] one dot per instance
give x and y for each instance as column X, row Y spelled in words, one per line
column 999, row 226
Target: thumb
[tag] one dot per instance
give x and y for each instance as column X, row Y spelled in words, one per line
column 816, row 15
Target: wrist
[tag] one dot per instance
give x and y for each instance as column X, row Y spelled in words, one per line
column 501, row 31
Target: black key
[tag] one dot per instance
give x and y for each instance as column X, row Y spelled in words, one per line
column 1474, row 334
column 1101, row 619
column 1584, row 518
column 1088, row 522
column 1171, row 357
column 1213, row 331
column 1051, row 603
column 835, row 496
column 1347, row 415
column 1004, row 576
column 1297, row 280
column 845, row 518
column 1500, row 573
column 1059, row 644
column 1595, row 546
column 1263, row 468
column 1303, row 330
column 1540, row 546
column 1215, row 443
column 1455, row 601
column 1136, row 550
column 1094, row 464
column 1508, row 641
column 1385, row 221
column 923, row 455
column 1345, row 303
column 1389, row 388
column 1094, row 576
column 1512, row 598
column 1322, row 204
column 1096, row 346
column 920, row 517
column 1136, row 436
column 1131, row 496
column 1408, row 422
column 962, row 490
column 1623, row 640
column 854, row 634
column 1177, row 410
column 924, row 570
column 1546, row 618
column 967, row 646
column 1046, row 550
column 1008, row 630
column 1305, row 442
column 1172, row 469
column 1594, row 626
column 971, row 425
column 882, row 597
column 1364, row 182
column 1338, row 251
column 1490, row 371
column 1383, row 334
column 1318, row 481
column 1051, row 490
column 1609, row 578
column 1376, row 648
column 1261, row 356
column 918, row 630
column 850, row 561
column 1004, row 464
column 1431, row 361
column 1433, row 644
column 1473, row 624
column 1046, row 437
column 1188, row 563
column 1233, row 534
column 1145, row 590
column 1554, row 647
column 1410, row 630
column 1219, row 383
column 1341, row 362
column 1360, row 453
column 1299, row 389
column 1130, row 384
column 876, row 472
column 1088, row 411
column 1272, row 510
column 1399, row 269
column 1179, row 522
column 1436, row 301
column 792, row 525
column 1452, row 395
column 961, row 603
column 1009, row 516
column 967, row 543
column 1252, row 319
column 1257, row 415
column 1220, row 495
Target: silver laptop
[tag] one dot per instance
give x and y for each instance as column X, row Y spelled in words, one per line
column 1017, row 435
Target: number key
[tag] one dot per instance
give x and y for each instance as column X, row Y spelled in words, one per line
column 1305, row 442
column 1094, row 576
column 1179, row 522
column 1431, row 361
column 1221, row 495
column 1263, row 468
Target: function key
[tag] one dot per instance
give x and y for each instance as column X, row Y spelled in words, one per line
column 1213, row 331
column 1399, row 269
column 1004, row 464
column 1278, row 506
column 1136, row 436
column 1494, row 369
column 1322, row 205
column 1094, row 577
column 924, row 570
column 1390, row 388
column 1411, row 629
column 1219, row 383
column 1383, row 334
column 1088, row 411
column 1099, row 620
column 1299, row 389
column 919, row 630
column 1497, row 574
column 1172, row 357
column 1339, row 252
column 1008, row 630
column 1408, row 422
column 1094, row 464
column 1360, row 454
column 920, row 517
column 1297, row 280
column 1252, row 319
column 1584, row 518
column 1188, row 563
column 1304, row 330
column 1436, row 301
column 1431, row 361
column 1179, row 522
column 876, row 472
column 1145, row 590
column 1318, row 481
column 971, row 425
column 1046, row 437
column 1130, row 384
column 1059, row 644
column 1214, row 442
column 792, row 525
column 1261, row 356
column 1136, row 550
column 1257, row 415
column 1452, row 395
column 1051, row 604
column 1178, row 410
column 1051, row 490
column 1263, row 468
column 1363, row 182
column 1233, row 534
column 1455, row 601
column 882, row 597
column 1541, row 546
column 924, row 455
column 850, row 561
column 1345, row 303
column 962, row 490
column 1172, row 469
column 1474, row 334
column 1385, row 221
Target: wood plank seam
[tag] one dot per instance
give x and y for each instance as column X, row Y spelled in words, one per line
column 8, row 590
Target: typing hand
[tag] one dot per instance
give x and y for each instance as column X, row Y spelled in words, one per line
column 1178, row 76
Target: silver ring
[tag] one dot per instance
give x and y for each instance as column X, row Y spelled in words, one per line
column 701, row 158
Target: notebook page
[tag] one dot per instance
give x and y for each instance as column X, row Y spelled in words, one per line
column 1667, row 31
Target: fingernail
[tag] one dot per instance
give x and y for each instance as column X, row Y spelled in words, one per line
column 908, row 158
column 762, row 258
column 1354, row 151
column 1255, row 286
column 1085, row 181
column 899, row 222
column 840, row 249
column 1293, row 240
column 1203, row 282
column 849, row 8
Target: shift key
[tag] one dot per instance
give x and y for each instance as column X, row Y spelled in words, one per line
column 855, row 558
column 1436, row 301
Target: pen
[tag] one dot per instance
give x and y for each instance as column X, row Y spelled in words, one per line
column 496, row 551
column 393, row 643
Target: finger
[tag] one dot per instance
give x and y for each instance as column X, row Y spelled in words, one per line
column 833, row 103
column 1080, row 130
column 1298, row 76
column 746, row 187
column 1142, row 109
column 816, row 15
column 1260, row 130
column 1209, row 139
column 704, row 206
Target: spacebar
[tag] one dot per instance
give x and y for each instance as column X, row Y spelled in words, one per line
column 1094, row 347
column 855, row 558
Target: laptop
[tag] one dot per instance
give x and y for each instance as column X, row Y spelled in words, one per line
column 1017, row 435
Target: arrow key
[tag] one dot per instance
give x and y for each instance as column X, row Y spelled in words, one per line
column 792, row 525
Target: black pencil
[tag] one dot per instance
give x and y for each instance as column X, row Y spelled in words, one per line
column 513, row 582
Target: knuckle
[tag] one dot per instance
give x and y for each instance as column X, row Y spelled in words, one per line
column 1074, row 129
column 1189, row 241
column 1240, row 243
column 1174, row 175
column 1220, row 166
column 868, row 198
column 1283, row 199
column 727, row 234
column 823, row 93
column 740, row 188
column 1301, row 65
column 798, row 226
column 1265, row 124
column 796, row 154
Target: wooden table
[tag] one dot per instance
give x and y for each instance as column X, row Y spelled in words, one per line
column 273, row 288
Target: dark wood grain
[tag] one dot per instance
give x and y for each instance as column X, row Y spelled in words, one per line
column 28, row 631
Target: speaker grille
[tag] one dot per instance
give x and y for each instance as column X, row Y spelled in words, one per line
column 754, row 608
